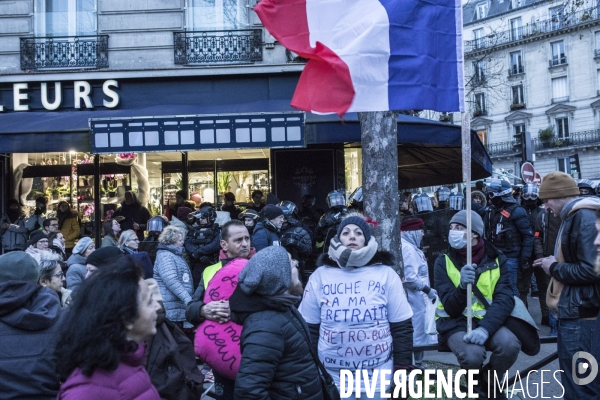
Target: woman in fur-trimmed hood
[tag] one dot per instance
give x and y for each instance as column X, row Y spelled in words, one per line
column 354, row 300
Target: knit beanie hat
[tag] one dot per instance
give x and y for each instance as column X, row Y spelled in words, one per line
column 183, row 212
column 556, row 185
column 360, row 222
column 18, row 266
column 82, row 245
column 35, row 237
column 268, row 272
column 271, row 211
column 412, row 224
column 476, row 221
column 104, row 256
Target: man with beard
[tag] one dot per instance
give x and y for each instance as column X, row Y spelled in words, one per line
column 235, row 245
column 573, row 265
column 12, row 227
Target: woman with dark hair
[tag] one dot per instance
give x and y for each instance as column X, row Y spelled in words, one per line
column 100, row 353
column 56, row 244
column 52, row 277
column 132, row 215
column 111, row 229
column 68, row 224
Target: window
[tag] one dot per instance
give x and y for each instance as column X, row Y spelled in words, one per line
column 480, row 104
column 561, row 127
column 558, row 53
column 597, row 49
column 482, row 133
column 519, row 130
column 516, row 29
column 598, row 80
column 557, row 17
column 516, row 64
column 478, row 72
column 517, row 95
column 559, row 90
column 564, row 165
column 515, row 4
column 481, row 11
column 478, row 37
column 65, row 17
column 217, row 14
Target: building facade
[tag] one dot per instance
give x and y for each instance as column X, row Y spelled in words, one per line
column 534, row 66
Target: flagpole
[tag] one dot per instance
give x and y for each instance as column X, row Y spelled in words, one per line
column 466, row 168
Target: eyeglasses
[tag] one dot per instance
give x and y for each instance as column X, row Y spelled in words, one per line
column 53, row 225
column 530, row 196
column 59, row 275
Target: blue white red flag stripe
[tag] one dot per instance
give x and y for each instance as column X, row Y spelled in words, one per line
column 372, row 55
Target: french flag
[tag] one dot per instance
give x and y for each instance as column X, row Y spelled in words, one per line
column 372, row 55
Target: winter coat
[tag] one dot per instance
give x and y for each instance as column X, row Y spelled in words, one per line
column 233, row 211
column 129, row 381
column 174, row 280
column 108, row 241
column 454, row 298
column 77, row 271
column 276, row 360
column 15, row 236
column 580, row 297
column 133, row 213
column 71, row 231
column 36, row 253
column 171, row 364
column 516, row 238
column 545, row 233
column 28, row 329
column 203, row 253
column 264, row 237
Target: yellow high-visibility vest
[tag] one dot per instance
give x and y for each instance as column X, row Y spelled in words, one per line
column 209, row 272
column 486, row 284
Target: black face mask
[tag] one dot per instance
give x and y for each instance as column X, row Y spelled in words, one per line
column 496, row 201
column 530, row 203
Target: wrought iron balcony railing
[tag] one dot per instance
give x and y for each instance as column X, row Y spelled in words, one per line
column 532, row 30
column 557, row 61
column 576, row 139
column 60, row 52
column 218, row 47
column 516, row 70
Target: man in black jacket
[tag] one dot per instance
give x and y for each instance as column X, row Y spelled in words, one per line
column 276, row 357
column 490, row 275
column 573, row 265
column 29, row 315
column 507, row 227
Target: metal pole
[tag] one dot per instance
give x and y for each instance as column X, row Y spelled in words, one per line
column 185, row 175
column 466, row 167
column 97, row 203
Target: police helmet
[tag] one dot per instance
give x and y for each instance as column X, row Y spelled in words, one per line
column 205, row 212
column 530, row 192
column 249, row 213
column 157, row 224
column 498, row 187
column 289, row 208
column 442, row 193
column 422, row 203
column 456, row 201
column 356, row 196
column 335, row 199
column 308, row 201
column 586, row 187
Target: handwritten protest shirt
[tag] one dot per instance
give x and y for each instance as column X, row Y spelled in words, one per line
column 354, row 308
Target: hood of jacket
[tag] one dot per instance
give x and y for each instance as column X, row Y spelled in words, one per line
column 76, row 259
column 242, row 305
column 28, row 306
column 592, row 203
column 178, row 251
column 381, row 257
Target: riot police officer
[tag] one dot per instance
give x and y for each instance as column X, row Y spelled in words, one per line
column 155, row 227
column 355, row 201
column 250, row 218
column 586, row 187
column 329, row 222
column 203, row 241
column 310, row 214
column 442, row 195
column 508, row 228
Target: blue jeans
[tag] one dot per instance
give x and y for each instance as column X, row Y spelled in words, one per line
column 513, row 268
column 574, row 335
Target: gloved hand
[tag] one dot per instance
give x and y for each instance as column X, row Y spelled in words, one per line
column 477, row 336
column 432, row 294
column 525, row 265
column 467, row 275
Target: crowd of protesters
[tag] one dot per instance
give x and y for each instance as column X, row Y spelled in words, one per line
column 258, row 301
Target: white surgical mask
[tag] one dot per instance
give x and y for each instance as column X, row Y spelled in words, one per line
column 457, row 239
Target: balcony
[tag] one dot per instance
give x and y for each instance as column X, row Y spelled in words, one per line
column 64, row 52
column 557, row 100
column 516, row 70
column 218, row 47
column 576, row 139
column 477, row 80
column 596, row 53
column 517, row 106
column 557, row 61
column 531, row 31
column 479, row 113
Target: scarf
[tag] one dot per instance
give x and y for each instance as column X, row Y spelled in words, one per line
column 285, row 299
column 478, row 252
column 346, row 257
